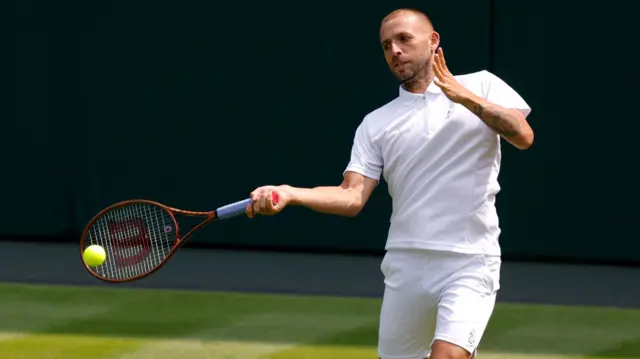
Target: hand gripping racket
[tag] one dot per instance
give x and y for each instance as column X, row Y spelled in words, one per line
column 140, row 236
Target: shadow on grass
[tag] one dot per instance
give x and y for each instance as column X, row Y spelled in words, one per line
column 201, row 316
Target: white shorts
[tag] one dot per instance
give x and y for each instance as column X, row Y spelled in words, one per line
column 433, row 295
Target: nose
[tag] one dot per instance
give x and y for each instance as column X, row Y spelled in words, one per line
column 395, row 49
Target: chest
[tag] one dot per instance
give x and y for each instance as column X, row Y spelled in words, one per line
column 427, row 127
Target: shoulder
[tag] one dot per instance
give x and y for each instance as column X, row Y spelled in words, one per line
column 491, row 87
column 376, row 120
column 482, row 78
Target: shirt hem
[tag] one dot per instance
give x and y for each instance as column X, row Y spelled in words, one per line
column 406, row 244
column 363, row 171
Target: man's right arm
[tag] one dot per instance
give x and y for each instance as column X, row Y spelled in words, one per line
column 347, row 199
column 360, row 178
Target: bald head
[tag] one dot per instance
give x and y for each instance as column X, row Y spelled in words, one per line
column 412, row 14
column 409, row 42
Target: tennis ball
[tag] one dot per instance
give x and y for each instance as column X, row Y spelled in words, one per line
column 94, row 255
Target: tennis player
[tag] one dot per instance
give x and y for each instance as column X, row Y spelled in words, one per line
column 438, row 147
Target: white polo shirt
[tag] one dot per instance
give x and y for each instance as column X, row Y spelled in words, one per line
column 441, row 163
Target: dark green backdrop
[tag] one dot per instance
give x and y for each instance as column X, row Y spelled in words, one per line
column 194, row 105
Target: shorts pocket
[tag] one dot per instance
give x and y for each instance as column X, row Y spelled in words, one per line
column 491, row 273
column 385, row 266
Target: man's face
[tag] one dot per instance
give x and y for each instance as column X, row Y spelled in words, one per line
column 407, row 44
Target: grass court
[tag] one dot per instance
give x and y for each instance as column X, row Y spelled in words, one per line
column 65, row 322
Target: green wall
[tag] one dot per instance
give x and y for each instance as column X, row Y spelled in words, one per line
column 36, row 144
column 574, row 194
column 196, row 105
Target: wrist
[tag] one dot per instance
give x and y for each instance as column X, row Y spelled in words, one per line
column 472, row 101
column 293, row 197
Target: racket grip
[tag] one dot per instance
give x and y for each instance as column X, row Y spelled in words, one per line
column 237, row 208
column 233, row 209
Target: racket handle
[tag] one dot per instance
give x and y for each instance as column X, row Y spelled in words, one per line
column 233, row 209
column 237, row 208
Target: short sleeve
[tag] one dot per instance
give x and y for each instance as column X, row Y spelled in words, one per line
column 366, row 158
column 500, row 93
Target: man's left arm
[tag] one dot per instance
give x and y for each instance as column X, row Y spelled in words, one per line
column 510, row 123
column 499, row 106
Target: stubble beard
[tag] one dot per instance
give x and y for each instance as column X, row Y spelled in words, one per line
column 421, row 75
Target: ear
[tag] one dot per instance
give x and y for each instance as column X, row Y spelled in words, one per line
column 435, row 41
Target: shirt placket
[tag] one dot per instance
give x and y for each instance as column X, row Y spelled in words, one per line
column 427, row 102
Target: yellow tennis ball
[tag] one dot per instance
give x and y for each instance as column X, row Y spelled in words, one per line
column 94, row 255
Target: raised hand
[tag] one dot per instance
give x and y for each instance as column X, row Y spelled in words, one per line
column 447, row 82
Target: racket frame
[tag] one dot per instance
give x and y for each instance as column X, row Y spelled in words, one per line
column 211, row 216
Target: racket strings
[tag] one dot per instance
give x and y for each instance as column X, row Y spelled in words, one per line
column 137, row 238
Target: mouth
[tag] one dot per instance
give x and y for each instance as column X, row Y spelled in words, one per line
column 401, row 69
column 401, row 66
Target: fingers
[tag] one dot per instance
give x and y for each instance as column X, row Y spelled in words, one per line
column 440, row 63
column 249, row 211
column 441, row 57
column 269, row 203
column 263, row 202
column 440, row 78
column 273, row 201
column 437, row 67
column 259, row 192
column 254, row 208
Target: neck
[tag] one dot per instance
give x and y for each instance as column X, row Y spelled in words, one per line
column 419, row 83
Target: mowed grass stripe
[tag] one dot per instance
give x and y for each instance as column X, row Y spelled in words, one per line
column 154, row 323
column 23, row 314
column 50, row 346
column 193, row 323
column 565, row 330
column 261, row 334
column 170, row 314
column 54, row 347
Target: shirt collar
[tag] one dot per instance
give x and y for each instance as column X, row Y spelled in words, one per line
column 410, row 96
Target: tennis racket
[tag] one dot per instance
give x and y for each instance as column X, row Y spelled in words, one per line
column 140, row 236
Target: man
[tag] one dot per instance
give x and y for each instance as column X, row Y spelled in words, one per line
column 438, row 146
